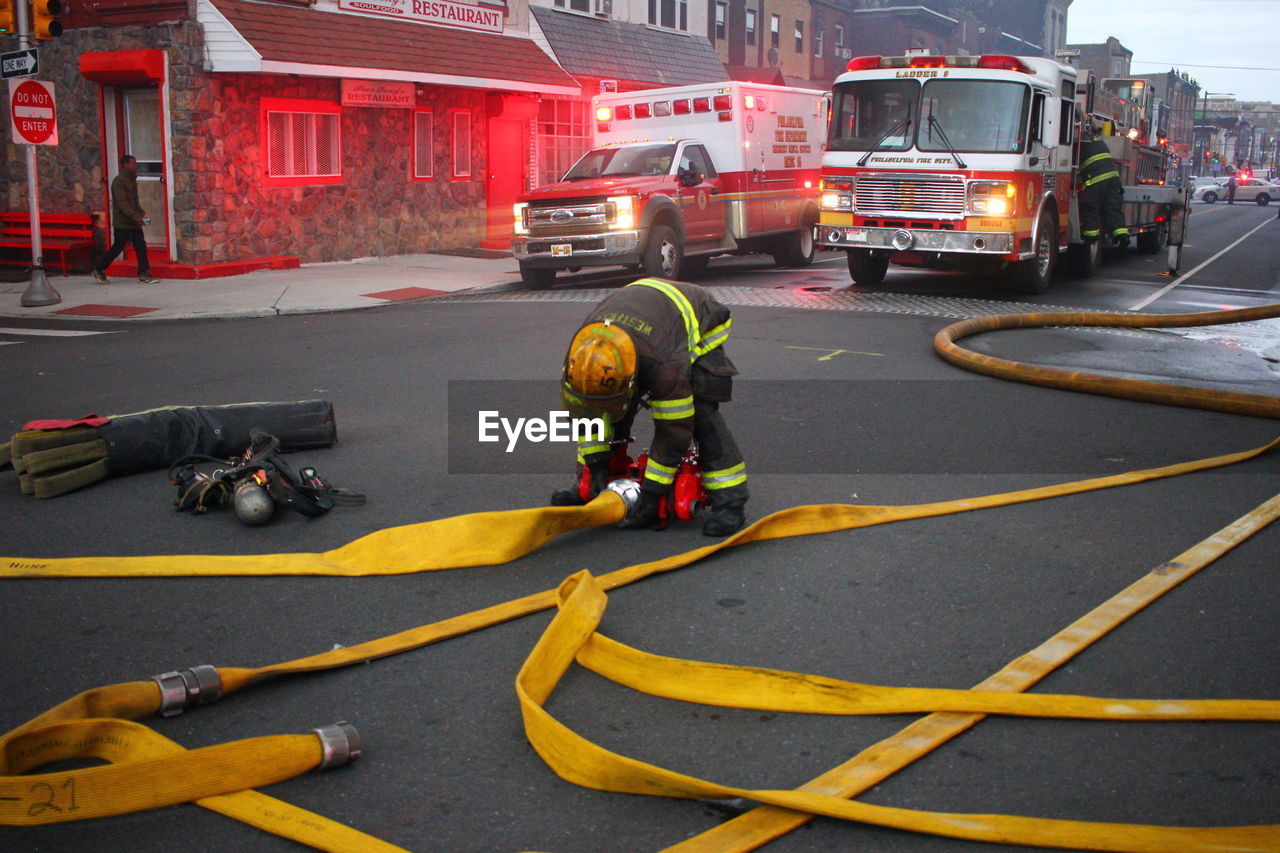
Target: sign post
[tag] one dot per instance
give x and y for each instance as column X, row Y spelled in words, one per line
column 34, row 121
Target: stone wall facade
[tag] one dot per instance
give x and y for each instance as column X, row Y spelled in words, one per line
column 222, row 209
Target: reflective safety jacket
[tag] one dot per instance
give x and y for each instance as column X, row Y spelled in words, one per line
column 1096, row 164
column 678, row 330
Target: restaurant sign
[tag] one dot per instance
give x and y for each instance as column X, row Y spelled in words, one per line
column 445, row 13
column 376, row 93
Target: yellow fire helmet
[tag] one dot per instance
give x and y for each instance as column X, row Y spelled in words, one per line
column 599, row 371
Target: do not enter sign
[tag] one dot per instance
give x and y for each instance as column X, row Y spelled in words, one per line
column 32, row 113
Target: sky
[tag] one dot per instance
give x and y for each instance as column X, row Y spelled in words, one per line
column 1190, row 35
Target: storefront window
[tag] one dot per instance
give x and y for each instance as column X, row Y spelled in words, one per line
column 563, row 136
column 423, row 149
column 303, row 141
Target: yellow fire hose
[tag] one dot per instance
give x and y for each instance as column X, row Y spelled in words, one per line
column 148, row 771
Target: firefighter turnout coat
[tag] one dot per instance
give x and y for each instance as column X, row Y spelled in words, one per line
column 682, row 375
column 1101, row 193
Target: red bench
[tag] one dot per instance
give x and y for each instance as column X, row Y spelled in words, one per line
column 59, row 232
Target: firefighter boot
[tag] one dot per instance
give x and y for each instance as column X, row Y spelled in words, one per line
column 643, row 514
column 725, row 519
column 571, row 497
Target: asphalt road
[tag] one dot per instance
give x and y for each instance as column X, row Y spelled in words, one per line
column 840, row 401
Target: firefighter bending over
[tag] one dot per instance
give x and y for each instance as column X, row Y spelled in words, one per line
column 1101, row 194
column 660, row 344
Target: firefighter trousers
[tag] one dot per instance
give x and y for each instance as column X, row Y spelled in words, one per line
column 724, row 474
column 1102, row 207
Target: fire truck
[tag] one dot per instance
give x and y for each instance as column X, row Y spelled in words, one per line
column 970, row 161
column 678, row 175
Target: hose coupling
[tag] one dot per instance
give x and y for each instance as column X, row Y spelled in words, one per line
column 627, row 489
column 340, row 743
column 188, row 688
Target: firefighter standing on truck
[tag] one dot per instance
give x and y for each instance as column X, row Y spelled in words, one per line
column 1101, row 194
column 660, row 344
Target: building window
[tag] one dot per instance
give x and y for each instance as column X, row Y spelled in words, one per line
column 819, row 28
column 303, row 142
column 839, row 36
column 722, row 12
column 799, row 36
column 775, row 27
column 461, row 145
column 423, row 149
column 564, row 135
column 673, row 14
column 751, row 26
column 580, row 5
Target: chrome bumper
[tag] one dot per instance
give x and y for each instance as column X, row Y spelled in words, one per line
column 915, row 239
column 610, row 245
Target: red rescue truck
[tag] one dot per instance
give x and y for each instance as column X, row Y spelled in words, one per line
column 970, row 161
column 678, row 175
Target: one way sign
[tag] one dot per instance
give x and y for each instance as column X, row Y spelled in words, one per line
column 20, row 63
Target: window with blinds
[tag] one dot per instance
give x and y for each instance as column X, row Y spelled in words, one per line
column 423, row 150
column 303, row 141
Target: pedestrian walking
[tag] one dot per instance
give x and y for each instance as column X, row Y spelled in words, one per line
column 658, row 343
column 127, row 219
column 1232, row 183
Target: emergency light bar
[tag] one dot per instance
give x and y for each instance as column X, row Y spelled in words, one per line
column 990, row 60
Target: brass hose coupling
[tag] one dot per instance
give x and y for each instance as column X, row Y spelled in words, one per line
column 188, row 688
column 341, row 744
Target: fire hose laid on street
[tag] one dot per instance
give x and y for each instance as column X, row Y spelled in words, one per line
column 148, row 770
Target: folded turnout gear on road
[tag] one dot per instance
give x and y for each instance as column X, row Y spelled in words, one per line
column 53, row 457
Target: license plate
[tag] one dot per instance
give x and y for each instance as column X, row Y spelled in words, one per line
column 560, row 250
column 856, row 235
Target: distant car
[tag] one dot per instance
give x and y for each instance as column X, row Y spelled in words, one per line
column 1252, row 189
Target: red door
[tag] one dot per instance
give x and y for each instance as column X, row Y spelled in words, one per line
column 507, row 156
column 704, row 214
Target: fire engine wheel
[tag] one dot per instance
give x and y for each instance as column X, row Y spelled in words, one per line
column 1151, row 242
column 663, row 255
column 867, row 267
column 535, row 278
column 1033, row 275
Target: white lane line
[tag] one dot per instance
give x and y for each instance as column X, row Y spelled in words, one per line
column 56, row 333
column 3, row 343
column 1162, row 291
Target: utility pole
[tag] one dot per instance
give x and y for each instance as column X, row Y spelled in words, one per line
column 39, row 291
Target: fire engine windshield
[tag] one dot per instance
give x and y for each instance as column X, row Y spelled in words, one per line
column 635, row 160
column 873, row 114
column 973, row 115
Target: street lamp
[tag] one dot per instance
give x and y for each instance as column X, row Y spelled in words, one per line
column 1204, row 152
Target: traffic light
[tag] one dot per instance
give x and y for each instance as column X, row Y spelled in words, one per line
column 44, row 18
column 7, row 23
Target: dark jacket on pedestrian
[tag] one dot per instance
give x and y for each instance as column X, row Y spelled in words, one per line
column 126, row 211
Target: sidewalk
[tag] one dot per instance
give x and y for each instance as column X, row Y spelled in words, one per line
column 315, row 288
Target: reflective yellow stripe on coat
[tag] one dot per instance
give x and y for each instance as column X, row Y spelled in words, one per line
column 699, row 344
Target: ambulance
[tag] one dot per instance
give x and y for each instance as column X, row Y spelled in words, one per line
column 678, row 175
column 970, row 161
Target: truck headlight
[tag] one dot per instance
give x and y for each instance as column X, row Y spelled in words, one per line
column 992, row 198
column 837, row 194
column 624, row 216
column 522, row 217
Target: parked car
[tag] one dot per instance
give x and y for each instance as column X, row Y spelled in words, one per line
column 1252, row 189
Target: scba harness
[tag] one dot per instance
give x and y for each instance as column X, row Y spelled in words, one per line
column 254, row 483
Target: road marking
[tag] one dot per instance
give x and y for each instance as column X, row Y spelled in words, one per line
column 1161, row 292
column 56, row 333
column 832, row 353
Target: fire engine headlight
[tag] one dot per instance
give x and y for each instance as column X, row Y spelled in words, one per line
column 522, row 218
column 624, row 216
column 837, row 201
column 992, row 198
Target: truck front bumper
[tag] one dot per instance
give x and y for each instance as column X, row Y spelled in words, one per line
column 611, row 247
column 915, row 239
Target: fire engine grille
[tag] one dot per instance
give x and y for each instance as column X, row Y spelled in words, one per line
column 570, row 217
column 939, row 195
